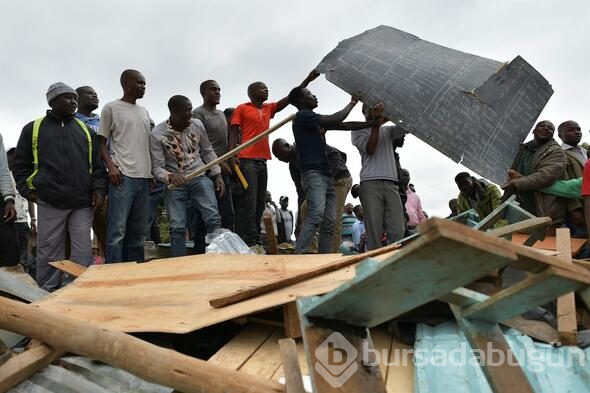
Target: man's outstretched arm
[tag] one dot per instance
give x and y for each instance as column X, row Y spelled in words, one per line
column 283, row 102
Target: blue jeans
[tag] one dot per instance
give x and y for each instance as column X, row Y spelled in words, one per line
column 321, row 202
column 127, row 220
column 199, row 191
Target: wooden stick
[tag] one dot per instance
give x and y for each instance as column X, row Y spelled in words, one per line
column 237, row 149
column 524, row 226
column 150, row 362
column 566, row 305
column 72, row 268
column 293, row 378
column 23, row 365
column 242, row 295
column 270, row 234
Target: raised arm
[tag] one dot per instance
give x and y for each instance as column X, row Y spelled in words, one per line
column 329, row 121
column 283, row 102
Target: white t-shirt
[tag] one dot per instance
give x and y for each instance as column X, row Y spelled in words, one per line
column 128, row 128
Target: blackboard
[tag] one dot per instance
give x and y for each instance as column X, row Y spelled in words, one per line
column 473, row 110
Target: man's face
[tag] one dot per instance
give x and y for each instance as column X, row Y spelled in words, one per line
column 259, row 92
column 358, row 212
column 183, row 114
column 135, row 85
column 284, row 151
column 465, row 185
column 348, row 208
column 571, row 133
column 543, row 131
column 212, row 93
column 268, row 197
column 284, row 203
column 88, row 98
column 65, row 104
column 405, row 177
column 308, row 100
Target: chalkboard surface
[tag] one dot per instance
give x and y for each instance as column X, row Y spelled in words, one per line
column 472, row 109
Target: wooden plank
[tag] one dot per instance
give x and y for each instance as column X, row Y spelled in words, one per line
column 242, row 295
column 270, row 234
column 400, row 371
column 291, row 320
column 539, row 330
column 521, row 226
column 335, row 357
column 505, row 377
column 549, row 243
column 567, row 326
column 428, row 268
column 290, row 362
column 236, row 353
column 72, row 268
column 22, row 366
column 382, row 342
column 150, row 362
column 171, row 295
column 525, row 295
column 267, row 359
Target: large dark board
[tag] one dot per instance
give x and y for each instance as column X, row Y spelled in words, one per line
column 472, row 109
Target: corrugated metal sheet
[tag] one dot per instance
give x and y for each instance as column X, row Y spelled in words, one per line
column 81, row 375
column 546, row 367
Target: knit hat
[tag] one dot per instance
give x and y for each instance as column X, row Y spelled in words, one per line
column 57, row 89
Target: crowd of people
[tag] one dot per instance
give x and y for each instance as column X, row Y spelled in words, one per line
column 108, row 173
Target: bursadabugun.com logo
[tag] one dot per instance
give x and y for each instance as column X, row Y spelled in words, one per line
column 336, row 360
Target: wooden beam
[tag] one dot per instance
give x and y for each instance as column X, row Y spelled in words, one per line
column 290, row 359
column 503, row 377
column 242, row 295
column 72, row 268
column 334, row 354
column 270, row 234
column 291, row 320
column 426, row 269
column 521, row 226
column 22, row 366
column 150, row 362
column 567, row 326
column 525, row 295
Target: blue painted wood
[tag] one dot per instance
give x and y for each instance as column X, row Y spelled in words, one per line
column 428, row 268
column 527, row 294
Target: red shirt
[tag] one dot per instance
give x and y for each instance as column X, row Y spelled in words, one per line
column 586, row 179
column 254, row 121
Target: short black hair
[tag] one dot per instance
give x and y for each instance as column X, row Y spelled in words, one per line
column 176, row 100
column 462, row 175
column 296, row 95
column 252, row 86
column 356, row 208
column 205, row 84
column 125, row 75
column 80, row 89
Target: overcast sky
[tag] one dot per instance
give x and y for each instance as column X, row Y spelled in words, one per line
column 178, row 44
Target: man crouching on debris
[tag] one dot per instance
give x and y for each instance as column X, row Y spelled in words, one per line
column 58, row 166
column 179, row 146
column 316, row 176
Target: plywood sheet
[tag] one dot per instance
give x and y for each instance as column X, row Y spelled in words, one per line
column 549, row 243
column 171, row 295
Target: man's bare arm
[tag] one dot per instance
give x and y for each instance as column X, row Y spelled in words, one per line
column 283, row 102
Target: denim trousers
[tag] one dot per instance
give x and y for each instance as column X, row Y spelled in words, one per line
column 127, row 220
column 249, row 204
column 320, row 196
column 199, row 193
